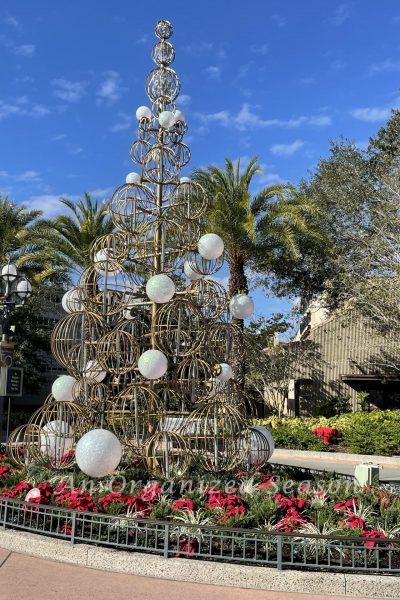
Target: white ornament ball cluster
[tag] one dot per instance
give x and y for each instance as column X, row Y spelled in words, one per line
column 98, row 453
column 152, row 364
column 62, row 388
column 210, row 246
column 241, row 306
column 160, row 288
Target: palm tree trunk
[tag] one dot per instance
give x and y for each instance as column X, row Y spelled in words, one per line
column 238, row 284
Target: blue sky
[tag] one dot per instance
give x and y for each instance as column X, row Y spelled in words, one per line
column 278, row 79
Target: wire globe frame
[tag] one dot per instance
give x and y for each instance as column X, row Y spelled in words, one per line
column 188, row 415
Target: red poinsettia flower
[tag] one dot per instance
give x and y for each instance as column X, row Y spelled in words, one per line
column 354, row 522
column 183, row 504
column 328, row 434
column 374, row 533
column 345, row 506
column 5, row 471
column 20, row 488
column 233, row 511
column 151, row 492
column 286, row 503
column 292, row 520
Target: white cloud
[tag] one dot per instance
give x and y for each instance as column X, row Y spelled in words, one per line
column 27, row 177
column 287, row 149
column 101, row 193
column 21, row 107
column 110, row 89
column 341, row 14
column 12, row 21
column 27, row 50
column 142, row 39
column 58, row 137
column 38, row 110
column 198, row 47
column 263, row 49
column 307, row 80
column 213, row 71
column 70, row 91
column 388, row 65
column 49, row 204
column 23, row 50
column 125, row 122
column 247, row 119
column 280, row 20
column 372, row 114
column 269, row 178
column 337, row 65
column 183, row 100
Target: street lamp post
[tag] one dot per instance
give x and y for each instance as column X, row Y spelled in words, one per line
column 14, row 291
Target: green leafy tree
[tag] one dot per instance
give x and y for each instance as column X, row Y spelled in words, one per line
column 71, row 235
column 384, row 148
column 23, row 239
column 255, row 228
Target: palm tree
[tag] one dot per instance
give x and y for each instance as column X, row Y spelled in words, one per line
column 72, row 235
column 22, row 240
column 255, row 228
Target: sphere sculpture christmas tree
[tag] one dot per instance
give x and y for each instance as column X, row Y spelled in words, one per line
column 148, row 338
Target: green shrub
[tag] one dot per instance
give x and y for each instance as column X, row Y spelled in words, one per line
column 376, row 432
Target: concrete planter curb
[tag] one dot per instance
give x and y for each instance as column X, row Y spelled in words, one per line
column 335, row 457
column 197, row 571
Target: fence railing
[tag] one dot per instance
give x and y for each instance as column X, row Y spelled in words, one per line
column 169, row 538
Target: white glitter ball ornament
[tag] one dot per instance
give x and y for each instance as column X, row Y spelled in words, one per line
column 72, row 300
column 56, row 439
column 262, row 445
column 62, row 388
column 104, row 264
column 133, row 178
column 241, row 306
column 179, row 116
column 226, row 373
column 143, row 112
column 210, row 246
column 166, row 119
column 98, row 453
column 160, row 288
column 153, row 364
column 94, row 372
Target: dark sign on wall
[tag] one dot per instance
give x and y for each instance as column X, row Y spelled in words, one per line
column 11, row 381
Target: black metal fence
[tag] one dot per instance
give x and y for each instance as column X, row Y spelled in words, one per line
column 170, row 539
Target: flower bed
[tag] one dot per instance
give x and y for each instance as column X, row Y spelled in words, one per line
column 275, row 499
column 376, row 432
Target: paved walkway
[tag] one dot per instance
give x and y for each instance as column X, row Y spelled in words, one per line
column 24, row 577
column 387, row 473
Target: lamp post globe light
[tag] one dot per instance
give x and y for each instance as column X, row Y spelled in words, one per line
column 14, row 292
